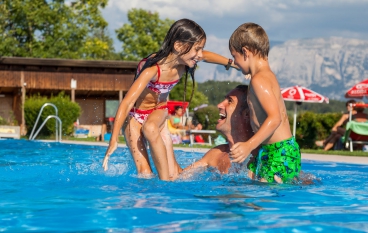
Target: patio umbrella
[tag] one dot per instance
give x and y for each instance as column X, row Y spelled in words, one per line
column 301, row 94
column 171, row 104
column 358, row 90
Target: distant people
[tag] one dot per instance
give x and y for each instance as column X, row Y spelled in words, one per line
column 143, row 111
column 234, row 123
column 177, row 120
column 279, row 159
column 180, row 133
column 338, row 130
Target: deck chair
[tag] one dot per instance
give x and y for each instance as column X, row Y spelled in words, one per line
column 175, row 133
column 356, row 133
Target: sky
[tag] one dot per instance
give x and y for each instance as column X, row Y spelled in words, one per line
column 282, row 20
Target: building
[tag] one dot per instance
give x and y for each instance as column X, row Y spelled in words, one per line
column 89, row 83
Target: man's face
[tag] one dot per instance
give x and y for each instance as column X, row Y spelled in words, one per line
column 230, row 111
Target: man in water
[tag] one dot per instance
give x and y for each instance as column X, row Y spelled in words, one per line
column 234, row 123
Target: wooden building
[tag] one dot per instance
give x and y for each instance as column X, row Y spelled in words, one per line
column 89, row 83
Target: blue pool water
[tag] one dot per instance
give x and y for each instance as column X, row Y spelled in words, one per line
column 57, row 187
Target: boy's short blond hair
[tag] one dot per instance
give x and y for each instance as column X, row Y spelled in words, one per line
column 251, row 36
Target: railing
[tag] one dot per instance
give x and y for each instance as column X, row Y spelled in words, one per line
column 58, row 137
column 57, row 131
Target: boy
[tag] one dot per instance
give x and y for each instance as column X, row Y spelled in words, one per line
column 279, row 155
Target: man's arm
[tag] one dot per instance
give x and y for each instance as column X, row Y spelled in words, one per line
column 208, row 159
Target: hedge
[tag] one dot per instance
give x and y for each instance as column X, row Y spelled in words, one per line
column 68, row 112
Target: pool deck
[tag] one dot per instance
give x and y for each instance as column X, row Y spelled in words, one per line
column 313, row 157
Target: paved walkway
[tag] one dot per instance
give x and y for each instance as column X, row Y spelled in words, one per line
column 315, row 157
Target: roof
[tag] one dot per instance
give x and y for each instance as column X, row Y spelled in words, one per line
column 68, row 62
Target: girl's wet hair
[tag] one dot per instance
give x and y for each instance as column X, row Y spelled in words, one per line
column 185, row 31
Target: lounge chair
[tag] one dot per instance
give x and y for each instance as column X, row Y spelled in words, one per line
column 9, row 131
column 356, row 133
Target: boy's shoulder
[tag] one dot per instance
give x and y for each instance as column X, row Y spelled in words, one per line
column 263, row 75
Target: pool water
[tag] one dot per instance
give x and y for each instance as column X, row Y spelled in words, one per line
column 61, row 187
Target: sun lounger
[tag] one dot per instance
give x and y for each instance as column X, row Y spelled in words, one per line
column 193, row 133
column 7, row 131
column 356, row 133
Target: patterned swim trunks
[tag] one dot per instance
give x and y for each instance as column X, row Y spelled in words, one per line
column 280, row 158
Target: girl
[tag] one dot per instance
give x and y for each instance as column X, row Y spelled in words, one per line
column 143, row 111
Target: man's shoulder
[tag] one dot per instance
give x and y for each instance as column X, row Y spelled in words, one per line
column 224, row 148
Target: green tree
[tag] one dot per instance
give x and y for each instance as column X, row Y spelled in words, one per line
column 143, row 35
column 177, row 93
column 54, row 29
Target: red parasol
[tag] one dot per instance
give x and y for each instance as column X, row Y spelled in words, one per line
column 171, row 105
column 301, row 94
column 358, row 90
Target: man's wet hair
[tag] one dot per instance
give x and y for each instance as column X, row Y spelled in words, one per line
column 243, row 100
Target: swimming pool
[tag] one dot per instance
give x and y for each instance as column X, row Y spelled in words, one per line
column 61, row 187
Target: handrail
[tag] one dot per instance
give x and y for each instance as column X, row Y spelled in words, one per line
column 58, row 137
column 38, row 117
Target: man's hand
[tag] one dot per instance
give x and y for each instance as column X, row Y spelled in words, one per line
column 112, row 147
column 240, row 152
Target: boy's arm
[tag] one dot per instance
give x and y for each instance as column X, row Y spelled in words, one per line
column 215, row 58
column 270, row 105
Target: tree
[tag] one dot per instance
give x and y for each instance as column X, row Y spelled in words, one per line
column 53, row 29
column 177, row 93
column 144, row 35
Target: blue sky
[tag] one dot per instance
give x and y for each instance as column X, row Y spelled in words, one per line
column 282, row 20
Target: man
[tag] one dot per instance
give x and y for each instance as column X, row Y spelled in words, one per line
column 234, row 123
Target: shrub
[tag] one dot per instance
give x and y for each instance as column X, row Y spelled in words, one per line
column 68, row 112
column 313, row 126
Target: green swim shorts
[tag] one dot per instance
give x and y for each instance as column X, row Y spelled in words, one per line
column 280, row 158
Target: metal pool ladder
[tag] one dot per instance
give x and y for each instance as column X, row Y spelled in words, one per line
column 57, row 131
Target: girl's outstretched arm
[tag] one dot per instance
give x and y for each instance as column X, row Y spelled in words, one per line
column 211, row 57
column 128, row 103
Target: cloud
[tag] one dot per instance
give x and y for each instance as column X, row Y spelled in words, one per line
column 285, row 20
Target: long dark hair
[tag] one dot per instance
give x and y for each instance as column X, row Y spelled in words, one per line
column 186, row 31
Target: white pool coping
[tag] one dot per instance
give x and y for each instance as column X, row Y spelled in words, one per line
column 305, row 156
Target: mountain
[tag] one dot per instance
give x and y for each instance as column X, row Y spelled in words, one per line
column 329, row 66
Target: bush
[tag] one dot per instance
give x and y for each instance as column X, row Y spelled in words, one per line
column 313, row 126
column 68, row 112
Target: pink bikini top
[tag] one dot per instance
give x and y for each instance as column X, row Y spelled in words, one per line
column 157, row 86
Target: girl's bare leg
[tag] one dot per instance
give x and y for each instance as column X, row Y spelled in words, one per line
column 151, row 131
column 136, row 143
column 174, row 168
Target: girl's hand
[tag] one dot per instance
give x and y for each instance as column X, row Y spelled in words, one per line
column 112, row 147
column 240, row 152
